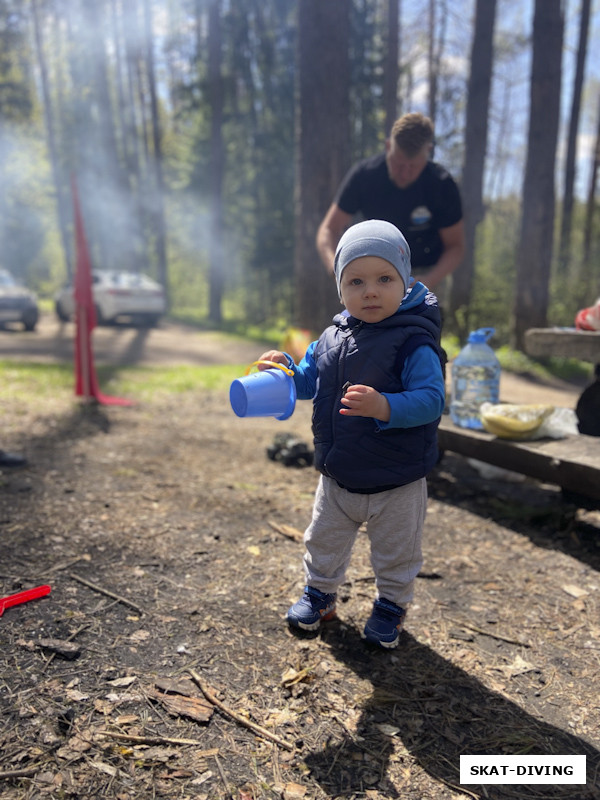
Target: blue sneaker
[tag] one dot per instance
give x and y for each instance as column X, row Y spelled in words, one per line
column 313, row 608
column 385, row 623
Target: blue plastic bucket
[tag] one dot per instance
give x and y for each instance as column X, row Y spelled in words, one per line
column 270, row 393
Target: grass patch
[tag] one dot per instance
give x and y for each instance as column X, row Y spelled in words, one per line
column 22, row 381
column 568, row 369
column 149, row 381
column 26, row 381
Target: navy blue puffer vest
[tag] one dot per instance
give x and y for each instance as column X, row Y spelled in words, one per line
column 352, row 450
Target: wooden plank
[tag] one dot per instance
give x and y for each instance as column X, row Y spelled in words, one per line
column 566, row 342
column 572, row 463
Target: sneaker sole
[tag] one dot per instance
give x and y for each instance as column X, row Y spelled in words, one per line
column 311, row 626
column 376, row 640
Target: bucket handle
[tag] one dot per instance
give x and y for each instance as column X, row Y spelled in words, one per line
column 287, row 370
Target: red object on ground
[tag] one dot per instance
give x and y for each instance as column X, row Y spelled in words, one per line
column 23, row 597
column 86, row 382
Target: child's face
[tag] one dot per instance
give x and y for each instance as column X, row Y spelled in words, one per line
column 371, row 288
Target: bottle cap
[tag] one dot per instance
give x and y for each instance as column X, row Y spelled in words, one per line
column 481, row 335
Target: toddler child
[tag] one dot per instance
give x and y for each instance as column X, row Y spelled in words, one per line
column 376, row 382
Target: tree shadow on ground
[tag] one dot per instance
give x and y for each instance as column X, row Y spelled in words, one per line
column 533, row 509
column 440, row 712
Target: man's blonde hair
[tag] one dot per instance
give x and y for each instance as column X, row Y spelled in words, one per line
column 412, row 132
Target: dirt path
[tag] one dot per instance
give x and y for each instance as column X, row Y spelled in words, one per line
column 171, row 543
column 168, row 344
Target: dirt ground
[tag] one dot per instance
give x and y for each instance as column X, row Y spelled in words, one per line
column 160, row 666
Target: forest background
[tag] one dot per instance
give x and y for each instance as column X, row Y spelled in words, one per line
column 207, row 138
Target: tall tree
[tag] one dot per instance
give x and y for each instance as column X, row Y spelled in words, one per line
column 588, row 286
column 57, row 177
column 534, row 252
column 158, row 201
column 106, row 185
column 436, row 43
column 570, row 162
column 217, row 164
column 476, row 137
column 322, row 147
column 21, row 237
column 391, row 68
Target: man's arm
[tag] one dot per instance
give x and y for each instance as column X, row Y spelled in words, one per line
column 453, row 239
column 330, row 232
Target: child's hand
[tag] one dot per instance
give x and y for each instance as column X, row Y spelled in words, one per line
column 272, row 355
column 364, row 401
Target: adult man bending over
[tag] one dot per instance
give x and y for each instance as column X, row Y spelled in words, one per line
column 404, row 187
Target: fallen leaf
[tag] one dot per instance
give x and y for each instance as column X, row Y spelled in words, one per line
column 491, row 587
column 76, row 695
column 107, row 769
column 103, row 706
column 123, row 681
column 388, row 730
column 253, row 550
column 292, row 676
column 518, row 667
column 75, row 747
column 157, row 754
column 293, row 791
column 139, row 636
column 66, row 650
column 574, row 591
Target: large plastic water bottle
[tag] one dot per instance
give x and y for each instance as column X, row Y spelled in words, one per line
column 475, row 380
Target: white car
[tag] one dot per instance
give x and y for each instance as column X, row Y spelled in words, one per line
column 118, row 295
column 17, row 304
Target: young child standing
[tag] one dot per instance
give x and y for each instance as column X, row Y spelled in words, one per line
column 376, row 382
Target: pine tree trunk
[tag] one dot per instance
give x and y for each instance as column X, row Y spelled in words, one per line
column 217, row 165
column 391, row 68
column 589, row 287
column 534, row 253
column 59, row 182
column 476, row 137
column 322, row 148
column 158, row 199
column 567, row 210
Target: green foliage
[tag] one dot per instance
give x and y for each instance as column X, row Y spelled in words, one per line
column 16, row 98
column 495, row 269
column 26, row 208
column 568, row 369
column 367, row 56
column 258, row 91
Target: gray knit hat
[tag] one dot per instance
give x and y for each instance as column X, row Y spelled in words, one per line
column 373, row 237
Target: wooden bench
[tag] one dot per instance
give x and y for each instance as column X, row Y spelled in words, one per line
column 567, row 342
column 572, row 463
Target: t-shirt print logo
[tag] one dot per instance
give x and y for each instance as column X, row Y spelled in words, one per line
column 420, row 216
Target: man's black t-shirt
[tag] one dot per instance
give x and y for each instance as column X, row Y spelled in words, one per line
column 419, row 211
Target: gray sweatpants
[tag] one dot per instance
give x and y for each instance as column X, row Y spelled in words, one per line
column 394, row 526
